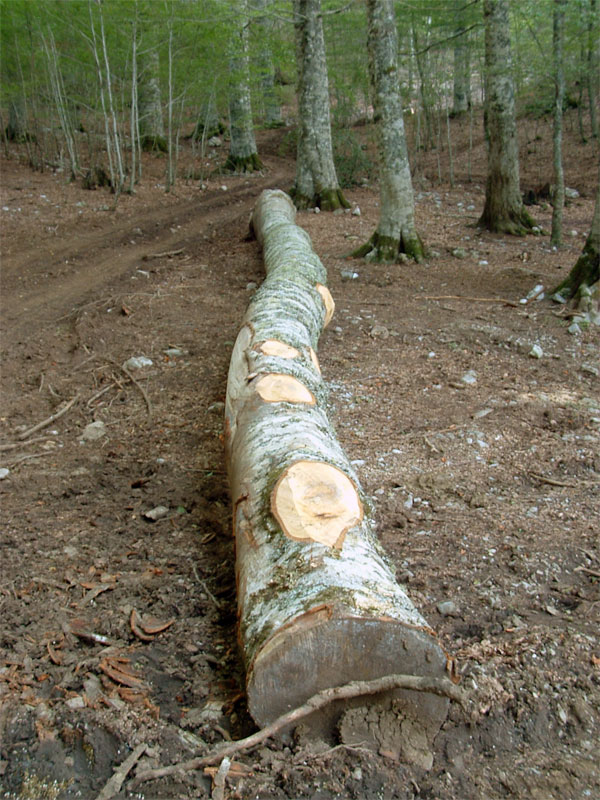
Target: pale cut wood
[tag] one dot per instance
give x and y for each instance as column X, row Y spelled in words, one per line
column 283, row 388
column 318, row 604
column 316, row 501
column 328, row 303
column 272, row 347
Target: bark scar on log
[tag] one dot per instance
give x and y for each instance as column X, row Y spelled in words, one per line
column 277, row 388
column 315, row 501
column 273, row 347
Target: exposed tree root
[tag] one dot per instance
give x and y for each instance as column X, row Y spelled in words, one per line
column 386, row 249
column 586, row 272
column 251, row 163
column 325, row 199
column 440, row 686
column 153, row 144
column 515, row 222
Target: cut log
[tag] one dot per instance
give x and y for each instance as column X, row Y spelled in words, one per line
column 318, row 603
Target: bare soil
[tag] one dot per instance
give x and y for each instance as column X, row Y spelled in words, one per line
column 486, row 494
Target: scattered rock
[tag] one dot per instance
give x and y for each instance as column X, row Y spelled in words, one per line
column 448, row 608
column 572, row 194
column 356, row 212
column 215, row 141
column 469, row 377
column 137, row 362
column 348, row 275
column 379, row 331
column 536, row 351
column 173, row 352
column 94, row 431
column 4, row 473
column 574, row 329
column 156, row 513
column 251, row 286
column 216, row 408
column 459, row 252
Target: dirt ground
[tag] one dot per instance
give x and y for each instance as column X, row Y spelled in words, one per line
column 482, row 460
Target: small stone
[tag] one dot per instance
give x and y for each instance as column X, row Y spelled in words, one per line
column 251, row 286
column 536, row 351
column 562, row 715
column 459, row 252
column 591, row 370
column 216, row 408
column 482, row 413
column 94, row 431
column 137, row 362
column 572, row 194
column 75, row 702
column 379, row 331
column 348, row 275
column 483, row 263
column 173, row 352
column 357, row 774
column 573, row 233
column 448, row 608
column 469, row 377
column 156, row 513
column 70, row 551
column 356, row 212
column 574, row 329
column 215, row 141
column 317, row 210
column 4, row 473
column 223, row 188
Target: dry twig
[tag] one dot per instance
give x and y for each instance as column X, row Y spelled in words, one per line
column 468, row 299
column 113, row 786
column 49, row 420
column 440, row 686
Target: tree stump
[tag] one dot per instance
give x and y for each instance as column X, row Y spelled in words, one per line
column 318, row 603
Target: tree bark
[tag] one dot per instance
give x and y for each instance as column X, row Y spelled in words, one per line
column 503, row 211
column 462, row 65
column 271, row 103
column 316, row 179
column 152, row 130
column 396, row 232
column 586, row 271
column 243, row 154
column 318, row 604
column 559, row 94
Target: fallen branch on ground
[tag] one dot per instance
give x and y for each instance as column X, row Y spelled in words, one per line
column 113, row 786
column 49, row 420
column 440, row 686
column 468, row 299
column 167, row 254
column 136, row 383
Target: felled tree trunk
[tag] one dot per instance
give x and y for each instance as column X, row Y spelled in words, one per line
column 318, row 604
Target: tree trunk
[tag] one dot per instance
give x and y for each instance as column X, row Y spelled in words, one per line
column 462, row 65
column 396, row 232
column 152, row 130
column 271, row 104
column 243, row 155
column 318, row 604
column 559, row 94
column 586, row 271
column 592, row 72
column 316, row 179
column 503, row 211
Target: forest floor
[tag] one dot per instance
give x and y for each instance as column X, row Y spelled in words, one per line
column 482, row 460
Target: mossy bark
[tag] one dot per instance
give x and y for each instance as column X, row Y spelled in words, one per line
column 250, row 163
column 387, row 249
column 153, row 144
column 586, row 270
column 325, row 199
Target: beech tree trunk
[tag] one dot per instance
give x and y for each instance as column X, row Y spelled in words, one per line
column 586, row 271
column 503, row 211
column 461, row 99
column 318, row 604
column 271, row 103
column 559, row 95
column 243, row 155
column 396, row 232
column 316, row 179
column 152, row 129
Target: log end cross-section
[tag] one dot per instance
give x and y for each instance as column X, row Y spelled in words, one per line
column 313, row 501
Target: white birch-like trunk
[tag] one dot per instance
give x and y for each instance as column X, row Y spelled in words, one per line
column 559, row 94
column 271, row 103
column 152, row 129
column 396, row 232
column 243, row 155
column 315, row 149
column 318, row 604
column 503, row 211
